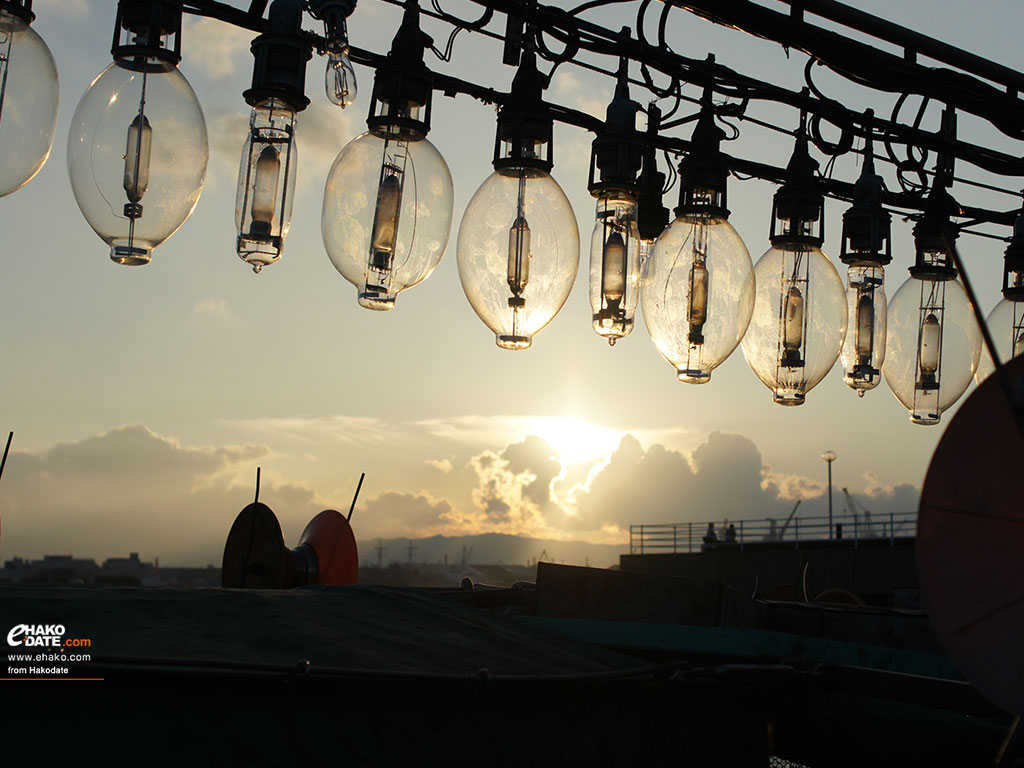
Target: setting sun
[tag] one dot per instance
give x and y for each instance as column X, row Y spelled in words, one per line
column 575, row 440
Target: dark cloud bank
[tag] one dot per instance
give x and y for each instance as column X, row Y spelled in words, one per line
column 133, row 490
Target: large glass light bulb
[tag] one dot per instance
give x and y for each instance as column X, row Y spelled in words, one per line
column 799, row 320
column 266, row 184
column 864, row 348
column 1006, row 324
column 1006, row 321
column 519, row 251
column 387, row 214
column 137, row 154
column 29, row 96
column 933, row 346
column 614, row 267
column 698, row 294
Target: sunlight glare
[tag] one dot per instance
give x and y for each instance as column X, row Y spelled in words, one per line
column 575, row 440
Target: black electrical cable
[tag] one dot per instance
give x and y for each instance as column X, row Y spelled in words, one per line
column 588, row 37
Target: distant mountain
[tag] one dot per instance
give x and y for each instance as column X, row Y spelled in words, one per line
column 488, row 548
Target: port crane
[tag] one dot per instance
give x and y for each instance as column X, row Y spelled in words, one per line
column 780, row 533
column 865, row 530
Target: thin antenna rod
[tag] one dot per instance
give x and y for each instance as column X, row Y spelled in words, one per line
column 356, row 496
column 3, row 463
column 257, row 499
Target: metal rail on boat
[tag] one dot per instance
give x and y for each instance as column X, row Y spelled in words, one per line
column 660, row 538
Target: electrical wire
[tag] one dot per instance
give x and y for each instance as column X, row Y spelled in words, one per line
column 579, row 37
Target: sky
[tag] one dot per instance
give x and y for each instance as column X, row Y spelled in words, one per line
column 143, row 399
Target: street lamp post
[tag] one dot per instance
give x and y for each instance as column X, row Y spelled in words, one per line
column 829, row 456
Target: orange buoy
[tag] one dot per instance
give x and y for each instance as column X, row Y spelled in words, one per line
column 337, row 557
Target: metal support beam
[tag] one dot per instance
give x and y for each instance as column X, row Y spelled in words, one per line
column 912, row 41
column 866, row 65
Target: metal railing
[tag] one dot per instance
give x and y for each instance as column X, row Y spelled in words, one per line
column 661, row 538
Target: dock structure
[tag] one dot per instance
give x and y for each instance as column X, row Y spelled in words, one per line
column 868, row 561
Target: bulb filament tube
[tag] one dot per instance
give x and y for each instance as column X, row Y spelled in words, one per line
column 267, row 176
column 613, row 271
column 931, row 338
column 519, row 246
column 136, row 158
column 865, row 327
column 518, row 255
column 792, row 327
column 698, row 311
column 385, row 221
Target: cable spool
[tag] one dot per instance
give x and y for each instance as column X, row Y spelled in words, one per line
column 256, row 556
column 337, row 558
column 970, row 536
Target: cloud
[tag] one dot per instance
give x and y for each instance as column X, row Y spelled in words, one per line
column 405, row 514
column 211, row 308
column 476, row 430
column 637, row 486
column 227, row 128
column 68, row 7
column 724, row 477
column 213, row 47
column 572, row 91
column 322, row 130
column 131, row 489
column 535, row 460
column 510, row 494
column 525, row 488
column 793, row 487
column 728, row 475
column 572, row 440
column 338, row 428
column 902, row 497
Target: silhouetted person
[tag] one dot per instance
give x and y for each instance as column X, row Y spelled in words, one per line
column 710, row 538
column 730, row 534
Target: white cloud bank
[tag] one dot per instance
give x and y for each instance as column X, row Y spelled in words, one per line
column 131, row 489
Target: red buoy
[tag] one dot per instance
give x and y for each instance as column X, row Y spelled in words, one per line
column 331, row 537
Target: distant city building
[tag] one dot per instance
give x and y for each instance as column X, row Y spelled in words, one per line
column 115, row 571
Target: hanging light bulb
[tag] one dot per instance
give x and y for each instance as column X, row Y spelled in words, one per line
column 28, row 97
column 339, row 76
column 799, row 320
column 616, row 158
column 933, row 340
column 388, row 202
column 865, row 249
column 1006, row 320
column 519, row 247
column 137, row 146
column 266, row 175
column 698, row 291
